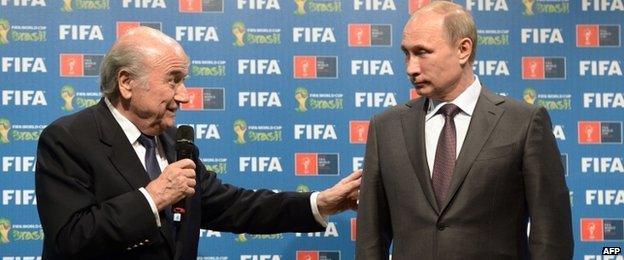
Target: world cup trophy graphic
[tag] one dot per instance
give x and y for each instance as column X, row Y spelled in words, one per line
column 306, row 165
column 528, row 7
column 529, row 95
column 5, row 227
column 67, row 94
column 67, row 6
column 532, row 69
column 305, row 67
column 358, row 36
column 592, row 231
column 301, row 95
column 589, row 133
column 588, row 36
column 72, row 66
column 240, row 127
column 4, row 31
column 238, row 29
column 360, row 133
column 5, row 126
column 300, row 7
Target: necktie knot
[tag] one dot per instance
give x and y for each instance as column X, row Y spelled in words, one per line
column 449, row 110
column 147, row 141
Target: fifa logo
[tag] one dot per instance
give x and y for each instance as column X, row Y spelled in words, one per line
column 300, row 7
column 67, row 6
column 529, row 95
column 5, row 126
column 4, row 31
column 5, row 227
column 528, row 7
column 301, row 95
column 67, row 94
column 240, row 127
column 238, row 29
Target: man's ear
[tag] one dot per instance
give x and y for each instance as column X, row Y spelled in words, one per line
column 464, row 50
column 125, row 82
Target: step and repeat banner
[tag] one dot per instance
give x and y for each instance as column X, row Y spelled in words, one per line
column 282, row 91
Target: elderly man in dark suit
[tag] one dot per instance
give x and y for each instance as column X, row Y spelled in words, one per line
column 107, row 176
column 459, row 172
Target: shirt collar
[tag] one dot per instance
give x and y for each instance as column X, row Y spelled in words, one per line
column 131, row 131
column 466, row 101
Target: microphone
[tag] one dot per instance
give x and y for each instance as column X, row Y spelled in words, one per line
column 185, row 149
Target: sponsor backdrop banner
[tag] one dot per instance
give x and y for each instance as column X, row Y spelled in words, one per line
column 282, row 91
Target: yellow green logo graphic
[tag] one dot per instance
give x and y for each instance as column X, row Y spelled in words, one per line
column 238, row 29
column 5, row 227
column 67, row 94
column 84, row 5
column 5, row 126
column 301, row 95
column 528, row 7
column 240, row 127
column 303, row 188
column 300, row 7
column 529, row 95
column 67, row 6
column 4, row 31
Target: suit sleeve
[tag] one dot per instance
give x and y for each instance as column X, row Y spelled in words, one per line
column 75, row 223
column 229, row 208
column 374, row 230
column 546, row 192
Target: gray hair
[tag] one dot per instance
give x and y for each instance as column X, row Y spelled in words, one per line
column 121, row 57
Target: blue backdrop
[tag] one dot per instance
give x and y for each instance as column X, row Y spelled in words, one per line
column 282, row 91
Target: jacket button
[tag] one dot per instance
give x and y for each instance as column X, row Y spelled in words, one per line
column 441, row 227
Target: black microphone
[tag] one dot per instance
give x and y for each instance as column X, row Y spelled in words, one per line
column 185, row 149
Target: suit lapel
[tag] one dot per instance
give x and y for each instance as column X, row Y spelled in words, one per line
column 121, row 154
column 125, row 160
column 413, row 122
column 484, row 120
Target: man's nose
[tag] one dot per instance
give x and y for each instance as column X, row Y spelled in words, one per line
column 412, row 66
column 181, row 94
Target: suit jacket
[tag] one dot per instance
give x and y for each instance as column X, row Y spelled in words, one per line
column 87, row 183
column 508, row 171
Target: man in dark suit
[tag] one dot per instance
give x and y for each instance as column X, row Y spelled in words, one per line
column 458, row 173
column 100, row 189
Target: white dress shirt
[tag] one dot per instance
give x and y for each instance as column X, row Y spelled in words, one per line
column 133, row 133
column 466, row 101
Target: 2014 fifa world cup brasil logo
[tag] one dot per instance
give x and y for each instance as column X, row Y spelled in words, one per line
column 67, row 6
column 238, row 29
column 300, row 7
column 5, row 227
column 4, row 31
column 68, row 93
column 301, row 95
column 240, row 127
column 529, row 95
column 528, row 7
column 5, row 126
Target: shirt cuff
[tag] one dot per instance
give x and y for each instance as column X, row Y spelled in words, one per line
column 152, row 205
column 317, row 215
